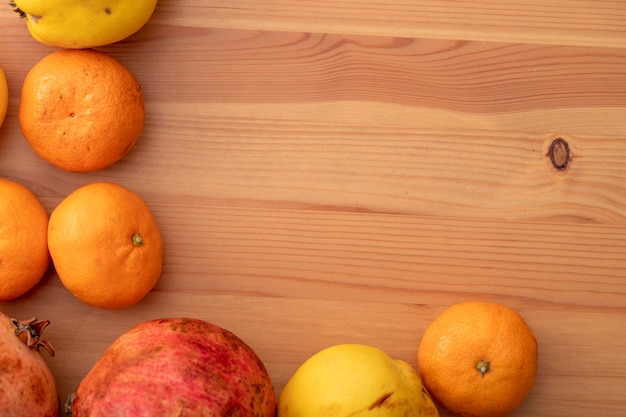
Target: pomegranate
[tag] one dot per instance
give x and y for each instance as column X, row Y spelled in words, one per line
column 176, row 367
column 27, row 386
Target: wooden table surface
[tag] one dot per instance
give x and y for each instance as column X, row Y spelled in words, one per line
column 326, row 172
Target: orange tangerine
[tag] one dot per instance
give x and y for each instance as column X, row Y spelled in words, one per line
column 105, row 245
column 478, row 359
column 24, row 256
column 81, row 110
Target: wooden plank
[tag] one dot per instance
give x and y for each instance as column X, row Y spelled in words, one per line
column 269, row 123
column 573, row 375
column 578, row 22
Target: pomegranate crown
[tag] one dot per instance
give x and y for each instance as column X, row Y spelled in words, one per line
column 29, row 332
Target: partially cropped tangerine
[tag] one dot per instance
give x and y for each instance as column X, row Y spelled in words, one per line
column 81, row 110
column 478, row 359
column 4, row 96
column 24, row 256
column 105, row 245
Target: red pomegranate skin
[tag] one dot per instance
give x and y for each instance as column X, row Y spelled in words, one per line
column 27, row 385
column 176, row 367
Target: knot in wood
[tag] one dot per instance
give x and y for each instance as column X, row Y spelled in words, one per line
column 559, row 154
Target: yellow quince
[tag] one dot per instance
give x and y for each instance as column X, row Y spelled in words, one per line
column 358, row 381
column 83, row 24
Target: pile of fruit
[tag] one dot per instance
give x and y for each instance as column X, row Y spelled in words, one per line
column 82, row 110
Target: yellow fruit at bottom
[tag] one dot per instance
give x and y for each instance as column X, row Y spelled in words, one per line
column 24, row 256
column 4, row 96
column 355, row 380
column 83, row 24
column 105, row 245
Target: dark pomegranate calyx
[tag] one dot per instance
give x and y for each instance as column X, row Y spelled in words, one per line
column 29, row 331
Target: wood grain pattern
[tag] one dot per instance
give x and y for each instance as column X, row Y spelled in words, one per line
column 578, row 22
column 326, row 173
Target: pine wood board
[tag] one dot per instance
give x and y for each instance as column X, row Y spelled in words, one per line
column 326, row 173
